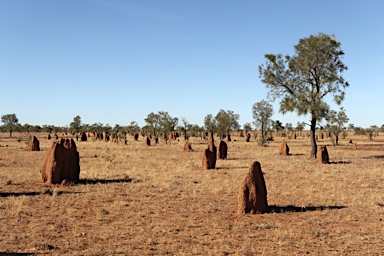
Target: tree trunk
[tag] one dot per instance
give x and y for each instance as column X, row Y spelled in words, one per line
column 337, row 139
column 10, row 132
column 312, row 137
column 185, row 133
column 262, row 134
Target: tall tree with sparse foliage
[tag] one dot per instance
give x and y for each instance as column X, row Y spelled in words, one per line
column 277, row 125
column 167, row 122
column 210, row 123
column 153, row 123
column 226, row 122
column 185, row 127
column 11, row 121
column 133, row 127
column 300, row 126
column 303, row 80
column 288, row 127
column 161, row 123
column 336, row 122
column 76, row 124
column 247, row 127
column 96, row 127
column 262, row 112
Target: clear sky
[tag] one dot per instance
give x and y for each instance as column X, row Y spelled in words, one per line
column 116, row 61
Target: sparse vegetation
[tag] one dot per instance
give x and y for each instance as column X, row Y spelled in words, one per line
column 157, row 200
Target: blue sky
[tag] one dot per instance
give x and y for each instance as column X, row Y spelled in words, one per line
column 116, row 61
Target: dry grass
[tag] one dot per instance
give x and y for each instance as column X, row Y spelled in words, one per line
column 157, row 200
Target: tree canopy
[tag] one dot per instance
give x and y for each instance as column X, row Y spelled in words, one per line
column 277, row 125
column 185, row 123
column 210, row 123
column 336, row 122
column 11, row 121
column 300, row 126
column 247, row 126
column 161, row 123
column 133, row 127
column 76, row 125
column 226, row 121
column 262, row 112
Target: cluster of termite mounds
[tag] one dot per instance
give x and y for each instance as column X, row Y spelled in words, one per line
column 62, row 165
column 322, row 155
column 210, row 154
column 252, row 194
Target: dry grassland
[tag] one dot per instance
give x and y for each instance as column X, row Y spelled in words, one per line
column 157, row 200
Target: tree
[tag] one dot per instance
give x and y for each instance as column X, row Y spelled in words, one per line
column 289, row 127
column 96, row 127
column 185, row 126
column 277, row 125
column 195, row 129
column 223, row 123
column 11, row 121
column 27, row 127
column 369, row 131
column 153, row 123
column 375, row 128
column 359, row 130
column 85, row 127
column 76, row 124
column 167, row 123
column 210, row 123
column 303, row 80
column 300, row 126
column 226, row 121
column 247, row 127
column 133, row 127
column 117, row 128
column 47, row 128
column 262, row 112
column 336, row 122
column 36, row 128
column 234, row 121
column 107, row 128
column 161, row 123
